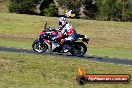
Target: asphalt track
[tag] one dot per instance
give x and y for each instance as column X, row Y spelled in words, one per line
column 96, row 58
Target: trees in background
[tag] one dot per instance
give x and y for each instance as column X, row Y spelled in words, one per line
column 109, row 10
column 73, row 5
column 23, row 6
column 45, row 4
column 90, row 9
column 51, row 10
column 126, row 10
column 116, row 10
column 47, row 7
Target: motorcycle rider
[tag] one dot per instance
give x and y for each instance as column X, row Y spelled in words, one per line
column 66, row 29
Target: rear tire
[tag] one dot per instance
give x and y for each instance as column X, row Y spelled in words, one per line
column 79, row 49
column 39, row 46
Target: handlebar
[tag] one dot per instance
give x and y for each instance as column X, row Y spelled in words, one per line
column 45, row 27
column 50, row 29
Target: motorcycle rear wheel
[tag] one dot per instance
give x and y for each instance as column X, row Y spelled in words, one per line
column 79, row 49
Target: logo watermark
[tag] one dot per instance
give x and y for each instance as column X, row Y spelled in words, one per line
column 83, row 78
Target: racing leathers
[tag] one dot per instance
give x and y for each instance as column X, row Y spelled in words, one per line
column 69, row 31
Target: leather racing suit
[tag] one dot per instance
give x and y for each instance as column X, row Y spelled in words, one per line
column 69, row 31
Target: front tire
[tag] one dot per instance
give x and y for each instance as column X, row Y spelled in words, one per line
column 39, row 46
column 78, row 49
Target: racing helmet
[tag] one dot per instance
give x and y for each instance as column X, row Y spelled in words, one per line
column 62, row 21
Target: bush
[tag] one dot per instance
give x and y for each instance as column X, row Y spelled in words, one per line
column 52, row 10
column 116, row 10
column 90, row 9
column 109, row 10
column 23, row 6
column 44, row 4
column 127, row 16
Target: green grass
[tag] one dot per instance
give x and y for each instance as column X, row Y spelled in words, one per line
column 123, row 54
column 18, row 70
column 113, row 39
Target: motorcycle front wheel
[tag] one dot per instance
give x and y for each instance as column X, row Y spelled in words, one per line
column 39, row 46
column 78, row 49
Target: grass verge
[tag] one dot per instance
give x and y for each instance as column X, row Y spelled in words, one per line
column 19, row 70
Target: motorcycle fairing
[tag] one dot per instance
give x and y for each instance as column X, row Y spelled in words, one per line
column 49, row 44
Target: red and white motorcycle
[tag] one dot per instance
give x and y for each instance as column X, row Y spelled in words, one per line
column 45, row 42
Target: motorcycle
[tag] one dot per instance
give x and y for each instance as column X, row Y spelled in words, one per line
column 45, row 42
